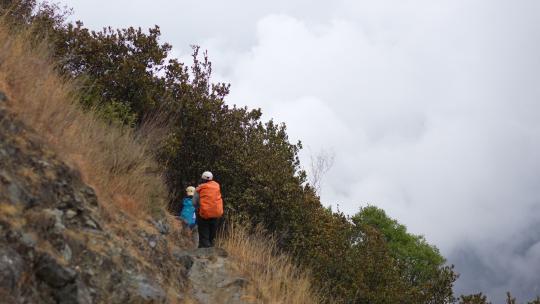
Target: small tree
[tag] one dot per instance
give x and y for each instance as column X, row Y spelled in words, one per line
column 320, row 165
column 478, row 298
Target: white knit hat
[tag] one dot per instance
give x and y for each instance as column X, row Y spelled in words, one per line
column 190, row 190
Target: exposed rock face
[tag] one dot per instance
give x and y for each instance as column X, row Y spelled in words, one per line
column 11, row 267
column 210, row 276
column 53, row 247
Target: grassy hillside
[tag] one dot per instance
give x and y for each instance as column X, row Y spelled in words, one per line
column 118, row 164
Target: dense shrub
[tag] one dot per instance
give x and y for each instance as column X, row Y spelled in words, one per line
column 480, row 298
column 420, row 264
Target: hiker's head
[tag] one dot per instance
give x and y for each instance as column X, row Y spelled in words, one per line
column 207, row 176
column 190, row 190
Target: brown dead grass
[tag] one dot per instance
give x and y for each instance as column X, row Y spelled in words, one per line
column 9, row 210
column 275, row 277
column 110, row 157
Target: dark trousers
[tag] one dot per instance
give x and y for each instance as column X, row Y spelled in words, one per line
column 207, row 231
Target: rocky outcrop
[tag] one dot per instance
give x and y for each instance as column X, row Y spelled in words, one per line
column 210, row 275
column 53, row 245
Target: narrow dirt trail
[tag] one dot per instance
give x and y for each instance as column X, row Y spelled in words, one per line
column 212, row 279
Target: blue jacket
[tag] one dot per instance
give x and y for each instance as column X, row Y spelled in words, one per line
column 188, row 211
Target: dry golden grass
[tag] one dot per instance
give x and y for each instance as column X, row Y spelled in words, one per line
column 110, row 158
column 9, row 210
column 274, row 276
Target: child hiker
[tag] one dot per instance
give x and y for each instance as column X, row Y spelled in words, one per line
column 188, row 210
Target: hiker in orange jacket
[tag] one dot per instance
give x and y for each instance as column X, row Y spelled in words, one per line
column 209, row 205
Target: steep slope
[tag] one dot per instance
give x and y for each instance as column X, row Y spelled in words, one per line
column 57, row 248
column 54, row 247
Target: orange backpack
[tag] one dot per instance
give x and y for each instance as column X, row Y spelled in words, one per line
column 210, row 201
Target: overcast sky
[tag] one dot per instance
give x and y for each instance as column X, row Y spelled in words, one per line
column 430, row 107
